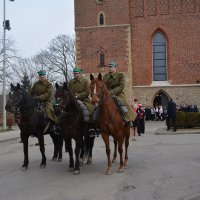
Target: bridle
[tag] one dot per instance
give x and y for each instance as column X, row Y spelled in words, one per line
column 18, row 106
column 100, row 95
column 62, row 102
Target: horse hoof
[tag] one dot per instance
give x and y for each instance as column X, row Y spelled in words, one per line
column 76, row 172
column 54, row 159
column 24, row 168
column 114, row 161
column 85, row 158
column 81, row 161
column 42, row 166
column 70, row 169
column 126, row 164
column 59, row 160
column 89, row 161
column 108, row 172
column 120, row 170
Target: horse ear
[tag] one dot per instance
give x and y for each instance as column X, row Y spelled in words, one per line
column 57, row 86
column 100, row 77
column 91, row 77
column 18, row 86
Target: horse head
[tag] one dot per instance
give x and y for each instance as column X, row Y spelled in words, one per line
column 66, row 101
column 97, row 88
column 62, row 97
column 15, row 99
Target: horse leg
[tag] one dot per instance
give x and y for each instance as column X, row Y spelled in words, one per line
column 115, row 151
column 107, row 144
column 127, row 136
column 24, row 138
column 90, row 147
column 42, row 150
column 82, row 152
column 60, row 146
column 70, row 151
column 120, row 150
column 77, row 153
column 55, row 143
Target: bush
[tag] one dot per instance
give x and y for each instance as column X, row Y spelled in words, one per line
column 188, row 119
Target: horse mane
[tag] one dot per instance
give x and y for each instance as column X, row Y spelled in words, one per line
column 72, row 97
column 103, row 86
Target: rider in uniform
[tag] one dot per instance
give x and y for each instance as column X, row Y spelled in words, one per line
column 42, row 92
column 115, row 83
column 81, row 89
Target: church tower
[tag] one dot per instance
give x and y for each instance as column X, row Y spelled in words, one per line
column 103, row 33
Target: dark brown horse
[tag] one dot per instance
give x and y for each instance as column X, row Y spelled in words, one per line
column 73, row 127
column 110, row 122
column 32, row 121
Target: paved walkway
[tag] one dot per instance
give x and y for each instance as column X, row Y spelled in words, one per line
column 10, row 135
column 152, row 127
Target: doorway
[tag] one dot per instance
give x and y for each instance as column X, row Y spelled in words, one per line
column 161, row 99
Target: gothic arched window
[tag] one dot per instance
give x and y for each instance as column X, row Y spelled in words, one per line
column 102, row 59
column 101, row 19
column 159, row 57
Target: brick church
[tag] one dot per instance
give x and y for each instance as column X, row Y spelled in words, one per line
column 155, row 42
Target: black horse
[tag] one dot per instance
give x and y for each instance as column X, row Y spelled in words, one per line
column 73, row 127
column 32, row 121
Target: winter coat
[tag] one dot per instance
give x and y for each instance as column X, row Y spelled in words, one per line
column 43, row 90
column 115, row 83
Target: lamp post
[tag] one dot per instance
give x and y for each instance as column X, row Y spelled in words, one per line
column 6, row 25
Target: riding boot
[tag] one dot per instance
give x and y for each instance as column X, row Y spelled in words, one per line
column 47, row 127
column 56, row 129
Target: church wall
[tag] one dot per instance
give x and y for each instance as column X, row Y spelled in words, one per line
column 179, row 21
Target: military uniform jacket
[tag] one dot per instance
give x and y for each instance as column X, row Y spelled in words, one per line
column 80, row 87
column 44, row 91
column 115, row 83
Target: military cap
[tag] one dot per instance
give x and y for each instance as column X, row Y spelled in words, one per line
column 41, row 73
column 112, row 63
column 77, row 70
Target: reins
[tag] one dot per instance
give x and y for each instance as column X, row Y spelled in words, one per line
column 65, row 113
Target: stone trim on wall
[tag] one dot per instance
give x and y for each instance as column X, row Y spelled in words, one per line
column 106, row 26
column 188, row 94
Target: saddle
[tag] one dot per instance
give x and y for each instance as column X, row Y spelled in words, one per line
column 84, row 110
column 122, row 108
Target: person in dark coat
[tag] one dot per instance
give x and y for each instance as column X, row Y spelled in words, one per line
column 171, row 114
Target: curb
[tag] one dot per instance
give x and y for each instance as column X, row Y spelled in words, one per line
column 178, row 132
column 9, row 140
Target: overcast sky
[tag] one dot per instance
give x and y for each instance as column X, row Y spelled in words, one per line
column 34, row 23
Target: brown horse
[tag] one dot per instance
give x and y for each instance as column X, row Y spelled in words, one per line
column 110, row 122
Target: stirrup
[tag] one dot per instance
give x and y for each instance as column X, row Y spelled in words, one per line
column 92, row 132
column 56, row 130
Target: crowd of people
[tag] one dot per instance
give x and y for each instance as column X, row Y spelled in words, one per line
column 157, row 113
column 188, row 108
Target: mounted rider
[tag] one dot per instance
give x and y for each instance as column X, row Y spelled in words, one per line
column 115, row 83
column 42, row 93
column 81, row 89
